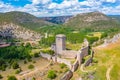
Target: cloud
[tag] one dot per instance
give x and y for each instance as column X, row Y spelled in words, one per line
column 66, row 7
column 111, row 1
column 40, row 1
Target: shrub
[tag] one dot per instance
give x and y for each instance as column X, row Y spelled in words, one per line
column 33, row 78
column 15, row 65
column 36, row 55
column 29, row 59
column 18, row 71
column 103, row 35
column 25, row 62
column 51, row 52
column 92, row 39
column 3, row 67
column 12, row 78
column 1, row 76
column 30, row 66
column 62, row 65
column 51, row 74
column 34, row 61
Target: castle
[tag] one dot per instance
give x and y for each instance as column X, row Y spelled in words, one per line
column 59, row 47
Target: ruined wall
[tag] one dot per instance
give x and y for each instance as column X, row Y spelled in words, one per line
column 47, row 56
column 87, row 63
column 85, row 51
column 75, row 66
column 79, row 57
column 67, row 75
column 56, row 59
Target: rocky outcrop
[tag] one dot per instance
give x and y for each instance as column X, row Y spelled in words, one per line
column 14, row 31
column 108, row 41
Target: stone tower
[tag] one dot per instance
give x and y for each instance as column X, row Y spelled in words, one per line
column 60, row 43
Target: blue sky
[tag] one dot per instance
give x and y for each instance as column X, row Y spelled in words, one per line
column 60, row 7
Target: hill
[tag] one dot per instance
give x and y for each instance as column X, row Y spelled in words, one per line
column 57, row 19
column 108, row 62
column 94, row 21
column 23, row 19
column 21, row 24
column 115, row 17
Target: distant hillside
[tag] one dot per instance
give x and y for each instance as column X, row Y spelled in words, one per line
column 94, row 20
column 115, row 17
column 57, row 19
column 23, row 19
column 22, row 24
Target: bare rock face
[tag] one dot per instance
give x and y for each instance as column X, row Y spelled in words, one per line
column 15, row 31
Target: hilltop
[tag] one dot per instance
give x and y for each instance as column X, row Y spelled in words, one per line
column 21, row 24
column 23, row 19
column 93, row 20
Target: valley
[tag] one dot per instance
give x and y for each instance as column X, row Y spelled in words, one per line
column 32, row 50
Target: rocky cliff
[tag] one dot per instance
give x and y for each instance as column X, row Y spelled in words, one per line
column 15, row 31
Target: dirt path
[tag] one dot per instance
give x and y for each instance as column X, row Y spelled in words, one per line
column 35, row 72
column 108, row 72
column 82, row 69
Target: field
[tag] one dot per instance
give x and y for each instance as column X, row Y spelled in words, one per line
column 37, row 62
column 41, row 65
column 108, row 62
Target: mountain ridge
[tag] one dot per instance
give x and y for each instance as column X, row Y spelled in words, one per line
column 21, row 23
column 92, row 20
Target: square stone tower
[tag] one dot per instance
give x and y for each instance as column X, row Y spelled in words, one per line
column 60, row 43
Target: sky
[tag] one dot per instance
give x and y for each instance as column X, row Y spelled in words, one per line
column 42, row 8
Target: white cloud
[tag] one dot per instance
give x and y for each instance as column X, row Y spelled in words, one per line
column 111, row 1
column 67, row 7
column 40, row 1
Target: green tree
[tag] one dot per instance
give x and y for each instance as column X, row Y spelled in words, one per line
column 51, row 74
column 12, row 78
column 30, row 66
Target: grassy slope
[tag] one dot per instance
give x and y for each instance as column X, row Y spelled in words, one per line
column 23, row 19
column 95, row 21
column 108, row 57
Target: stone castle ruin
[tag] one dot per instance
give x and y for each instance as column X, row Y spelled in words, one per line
column 60, row 50
column 60, row 44
column 61, row 54
column 59, row 47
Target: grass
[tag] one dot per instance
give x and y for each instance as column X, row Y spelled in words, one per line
column 107, row 57
column 95, row 34
column 71, row 46
column 24, row 67
column 58, row 70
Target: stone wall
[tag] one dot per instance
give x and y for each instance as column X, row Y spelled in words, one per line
column 47, row 56
column 85, row 51
column 67, row 75
column 75, row 66
column 56, row 59
column 60, row 60
column 87, row 63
